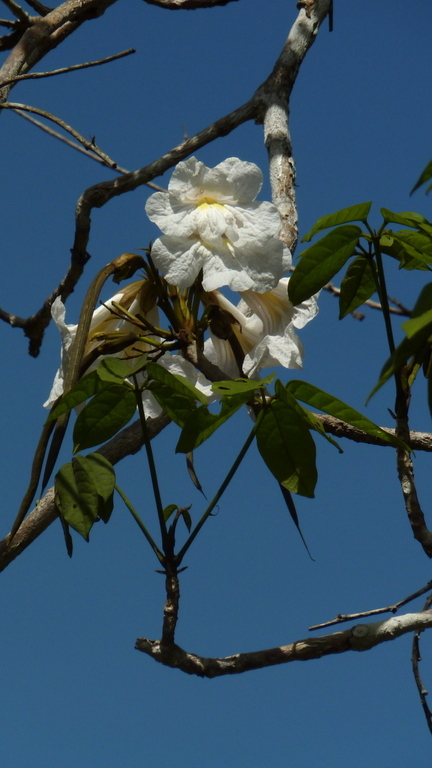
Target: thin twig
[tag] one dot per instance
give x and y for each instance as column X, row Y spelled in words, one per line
column 90, row 145
column 72, row 144
column 390, row 608
column 72, row 68
column 415, row 659
column 42, row 10
column 399, row 309
column 17, row 11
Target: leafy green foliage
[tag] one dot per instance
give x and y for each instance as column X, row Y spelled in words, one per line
column 84, row 492
column 358, row 212
column 202, row 423
column 177, row 383
column 174, row 393
column 287, row 448
column 84, row 389
column 358, row 285
column 115, row 370
column 309, row 418
column 317, row 398
column 240, row 385
column 423, row 178
column 319, row 263
column 408, row 219
column 103, row 416
column 416, row 344
column 176, row 406
column 395, row 248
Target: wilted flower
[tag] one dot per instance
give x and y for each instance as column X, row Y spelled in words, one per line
column 211, row 221
column 137, row 299
column 264, row 328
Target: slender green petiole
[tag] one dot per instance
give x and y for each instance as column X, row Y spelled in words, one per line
column 179, row 557
column 383, row 296
column 141, row 525
column 152, row 466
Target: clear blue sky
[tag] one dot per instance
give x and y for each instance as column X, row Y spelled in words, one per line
column 74, row 691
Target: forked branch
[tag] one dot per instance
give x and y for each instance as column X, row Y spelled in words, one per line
column 362, row 637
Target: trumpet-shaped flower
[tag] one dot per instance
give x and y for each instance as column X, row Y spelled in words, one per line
column 138, row 301
column 212, row 222
column 264, row 328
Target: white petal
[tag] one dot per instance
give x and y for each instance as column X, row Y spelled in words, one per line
column 179, row 259
column 285, row 350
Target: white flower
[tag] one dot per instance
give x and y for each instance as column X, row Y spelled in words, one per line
column 264, row 329
column 211, row 221
column 134, row 298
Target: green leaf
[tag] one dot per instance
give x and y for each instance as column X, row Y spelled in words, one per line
column 101, row 475
column 177, row 407
column 81, row 391
column 202, row 423
column 330, row 404
column 169, row 510
column 104, row 416
column 177, row 383
column 309, row 418
column 418, row 245
column 319, row 263
column 407, row 218
column 419, row 328
column 240, row 385
column 187, row 519
column 357, row 286
column 417, row 324
column 424, row 176
column 392, row 247
column 115, row 370
column 358, row 212
column 287, row 448
column 77, row 512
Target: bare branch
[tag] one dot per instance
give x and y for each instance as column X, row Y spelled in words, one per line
column 72, row 144
column 9, row 41
column 274, row 95
column 89, row 145
column 41, row 9
column 17, row 11
column 392, row 608
column 45, row 33
column 415, row 659
column 362, row 637
column 418, row 441
column 72, row 68
column 405, row 470
column 280, row 83
column 398, row 309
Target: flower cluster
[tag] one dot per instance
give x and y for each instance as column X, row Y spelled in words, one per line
column 215, row 234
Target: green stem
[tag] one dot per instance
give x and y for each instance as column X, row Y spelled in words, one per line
column 382, row 292
column 179, row 557
column 152, row 465
column 401, row 396
column 141, row 525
